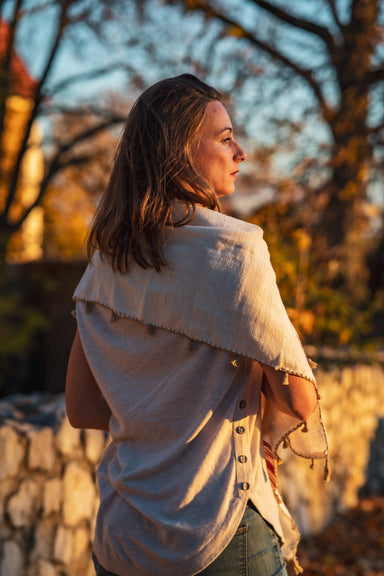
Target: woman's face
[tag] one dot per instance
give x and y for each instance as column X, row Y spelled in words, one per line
column 217, row 155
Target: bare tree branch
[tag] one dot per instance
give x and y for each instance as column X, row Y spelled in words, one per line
column 91, row 75
column 39, row 8
column 273, row 52
column 376, row 129
column 374, row 76
column 6, row 68
column 95, row 111
column 332, row 6
column 58, row 162
column 37, row 102
column 319, row 31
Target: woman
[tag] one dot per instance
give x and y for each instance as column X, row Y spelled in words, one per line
column 185, row 354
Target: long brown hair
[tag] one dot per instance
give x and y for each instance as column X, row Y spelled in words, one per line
column 153, row 167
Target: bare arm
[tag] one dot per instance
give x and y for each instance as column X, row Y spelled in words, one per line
column 298, row 399
column 86, row 406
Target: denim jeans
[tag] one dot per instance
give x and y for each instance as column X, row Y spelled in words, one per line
column 253, row 551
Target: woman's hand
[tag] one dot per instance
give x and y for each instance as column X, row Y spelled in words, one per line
column 297, row 399
column 86, row 406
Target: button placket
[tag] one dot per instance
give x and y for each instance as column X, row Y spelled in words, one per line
column 241, row 443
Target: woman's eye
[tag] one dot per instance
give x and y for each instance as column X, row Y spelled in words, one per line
column 227, row 139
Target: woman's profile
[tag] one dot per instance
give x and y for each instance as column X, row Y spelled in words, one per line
column 185, row 354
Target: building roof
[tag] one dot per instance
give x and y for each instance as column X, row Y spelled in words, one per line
column 21, row 82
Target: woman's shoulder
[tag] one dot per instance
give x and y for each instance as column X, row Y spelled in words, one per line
column 211, row 218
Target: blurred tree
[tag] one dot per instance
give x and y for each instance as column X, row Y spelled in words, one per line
column 335, row 49
column 44, row 97
column 32, row 153
column 108, row 46
column 71, row 198
column 322, row 314
column 318, row 98
column 17, row 109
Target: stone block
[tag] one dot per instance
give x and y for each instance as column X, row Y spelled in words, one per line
column 81, row 542
column 68, row 439
column 43, row 539
column 7, row 487
column 45, row 568
column 23, row 506
column 90, row 571
column 95, row 441
column 52, row 496
column 41, row 453
column 12, row 451
column 12, row 563
column 82, row 551
column 79, row 494
column 63, row 546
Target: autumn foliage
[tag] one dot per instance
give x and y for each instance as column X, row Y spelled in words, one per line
column 352, row 546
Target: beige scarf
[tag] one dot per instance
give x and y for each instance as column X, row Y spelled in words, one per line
column 219, row 288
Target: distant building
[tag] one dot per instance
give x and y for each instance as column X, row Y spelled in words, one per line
column 27, row 244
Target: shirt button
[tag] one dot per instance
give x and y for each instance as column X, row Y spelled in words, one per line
column 244, row 486
column 240, row 429
column 243, row 404
column 243, row 459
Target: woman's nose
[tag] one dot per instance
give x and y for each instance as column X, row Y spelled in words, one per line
column 240, row 154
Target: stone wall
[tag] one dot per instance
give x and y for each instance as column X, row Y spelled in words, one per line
column 48, row 495
column 352, row 399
